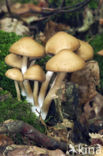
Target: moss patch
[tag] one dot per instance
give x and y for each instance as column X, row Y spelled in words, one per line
column 6, row 40
column 11, row 108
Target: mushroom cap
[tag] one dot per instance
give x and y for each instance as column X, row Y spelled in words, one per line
column 65, row 61
column 100, row 52
column 85, row 51
column 14, row 74
column 13, row 60
column 61, row 40
column 26, row 46
column 35, row 72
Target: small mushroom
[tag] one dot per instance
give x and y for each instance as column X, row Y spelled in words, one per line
column 61, row 40
column 85, row 51
column 65, row 61
column 15, row 75
column 27, row 47
column 36, row 74
column 15, row 61
column 100, row 52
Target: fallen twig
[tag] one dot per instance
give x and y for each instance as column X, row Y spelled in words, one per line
column 16, row 126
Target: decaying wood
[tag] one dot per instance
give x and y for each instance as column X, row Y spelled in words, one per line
column 16, row 126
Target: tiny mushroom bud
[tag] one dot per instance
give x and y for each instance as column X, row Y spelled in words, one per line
column 36, row 74
column 15, row 75
column 85, row 51
column 65, row 61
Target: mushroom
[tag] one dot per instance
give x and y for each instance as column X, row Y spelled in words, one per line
column 85, row 51
column 35, row 73
column 15, row 61
column 15, row 75
column 100, row 52
column 65, row 61
column 61, row 40
column 27, row 47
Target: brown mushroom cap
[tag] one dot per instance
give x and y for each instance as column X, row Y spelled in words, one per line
column 85, row 51
column 61, row 40
column 13, row 60
column 35, row 72
column 65, row 61
column 14, row 74
column 26, row 46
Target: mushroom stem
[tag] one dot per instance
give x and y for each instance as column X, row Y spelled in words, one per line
column 28, row 91
column 35, row 93
column 32, row 63
column 36, row 107
column 17, row 90
column 24, row 64
column 26, row 83
column 52, row 94
column 44, row 87
column 23, row 92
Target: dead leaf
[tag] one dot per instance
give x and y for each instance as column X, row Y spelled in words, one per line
column 4, row 140
column 25, row 9
column 52, row 27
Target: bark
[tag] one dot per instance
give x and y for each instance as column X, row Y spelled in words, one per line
column 16, row 126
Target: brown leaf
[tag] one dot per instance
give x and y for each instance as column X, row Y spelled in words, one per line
column 4, row 140
column 25, row 9
column 53, row 27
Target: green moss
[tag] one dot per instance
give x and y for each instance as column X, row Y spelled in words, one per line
column 93, row 4
column 10, row 108
column 6, row 40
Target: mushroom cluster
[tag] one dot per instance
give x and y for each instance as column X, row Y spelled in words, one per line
column 70, row 55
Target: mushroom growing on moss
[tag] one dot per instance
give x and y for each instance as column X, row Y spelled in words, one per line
column 27, row 47
column 59, row 41
column 36, row 74
column 15, row 61
column 65, row 61
column 16, row 75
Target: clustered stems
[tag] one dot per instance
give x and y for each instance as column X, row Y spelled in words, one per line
column 28, row 91
column 52, row 94
column 23, row 92
column 26, row 82
column 44, row 87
